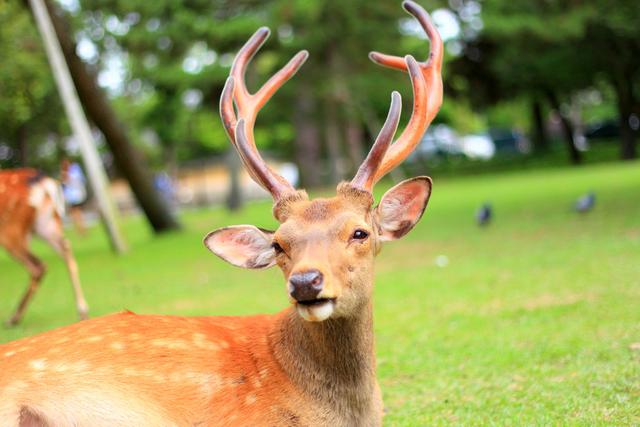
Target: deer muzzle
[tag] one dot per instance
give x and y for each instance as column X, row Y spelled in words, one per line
column 306, row 286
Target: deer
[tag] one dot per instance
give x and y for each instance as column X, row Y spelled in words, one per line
column 32, row 203
column 312, row 364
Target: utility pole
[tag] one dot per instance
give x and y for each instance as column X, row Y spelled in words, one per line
column 93, row 165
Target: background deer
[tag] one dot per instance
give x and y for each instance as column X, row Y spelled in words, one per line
column 31, row 202
column 311, row 364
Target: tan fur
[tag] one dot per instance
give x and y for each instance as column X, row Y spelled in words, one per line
column 130, row 370
column 173, row 371
column 295, row 368
column 33, row 204
column 289, row 369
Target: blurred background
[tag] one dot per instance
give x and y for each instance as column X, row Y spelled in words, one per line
column 527, row 84
column 517, row 298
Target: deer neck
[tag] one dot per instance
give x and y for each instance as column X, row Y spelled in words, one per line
column 332, row 361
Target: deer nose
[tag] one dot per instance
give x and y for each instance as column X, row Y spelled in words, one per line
column 305, row 286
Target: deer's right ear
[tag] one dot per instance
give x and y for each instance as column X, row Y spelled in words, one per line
column 244, row 246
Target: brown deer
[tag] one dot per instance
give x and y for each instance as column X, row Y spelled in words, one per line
column 311, row 364
column 31, row 202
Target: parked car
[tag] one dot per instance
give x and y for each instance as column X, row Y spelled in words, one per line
column 509, row 140
column 438, row 139
column 443, row 140
column 602, row 130
column 478, row 146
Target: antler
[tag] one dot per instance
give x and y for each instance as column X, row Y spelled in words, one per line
column 364, row 178
column 239, row 127
column 426, row 79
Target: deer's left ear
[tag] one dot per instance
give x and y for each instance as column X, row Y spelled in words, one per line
column 244, row 246
column 402, row 207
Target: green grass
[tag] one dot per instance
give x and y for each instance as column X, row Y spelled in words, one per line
column 532, row 322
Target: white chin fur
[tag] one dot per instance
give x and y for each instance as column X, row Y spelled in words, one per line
column 315, row 313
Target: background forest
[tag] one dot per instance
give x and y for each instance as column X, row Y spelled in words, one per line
column 548, row 81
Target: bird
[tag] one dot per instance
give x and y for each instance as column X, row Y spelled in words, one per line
column 483, row 215
column 585, row 203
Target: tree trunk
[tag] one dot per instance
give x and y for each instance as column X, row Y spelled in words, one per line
column 307, row 139
column 79, row 124
column 23, row 144
column 624, row 93
column 234, row 196
column 333, row 141
column 538, row 131
column 99, row 110
column 567, row 129
column 354, row 138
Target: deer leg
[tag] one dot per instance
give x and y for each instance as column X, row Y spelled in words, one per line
column 36, row 270
column 63, row 248
column 78, row 220
column 72, row 267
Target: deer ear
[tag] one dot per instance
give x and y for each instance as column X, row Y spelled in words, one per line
column 402, row 207
column 244, row 246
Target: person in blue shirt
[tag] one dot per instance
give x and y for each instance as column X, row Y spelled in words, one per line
column 74, row 189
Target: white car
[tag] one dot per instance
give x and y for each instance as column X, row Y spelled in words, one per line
column 478, row 146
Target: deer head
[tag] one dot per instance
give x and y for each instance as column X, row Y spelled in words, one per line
column 326, row 247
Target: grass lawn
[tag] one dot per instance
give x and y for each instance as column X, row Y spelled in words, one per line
column 535, row 320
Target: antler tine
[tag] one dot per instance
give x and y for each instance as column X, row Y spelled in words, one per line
column 272, row 182
column 242, row 97
column 239, row 127
column 364, row 178
column 227, row 113
column 436, row 52
column 426, row 78
column 277, row 80
column 418, row 123
column 229, row 120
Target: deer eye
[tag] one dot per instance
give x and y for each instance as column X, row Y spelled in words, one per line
column 276, row 247
column 360, row 234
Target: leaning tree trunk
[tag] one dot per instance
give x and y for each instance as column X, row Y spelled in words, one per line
column 567, row 129
column 307, row 142
column 99, row 110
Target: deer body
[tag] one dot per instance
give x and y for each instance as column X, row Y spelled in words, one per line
column 132, row 370
column 31, row 203
column 312, row 364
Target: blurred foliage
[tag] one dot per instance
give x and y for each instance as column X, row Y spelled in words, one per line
column 585, row 53
column 511, row 113
column 164, row 64
column 178, row 57
column 29, row 106
column 461, row 117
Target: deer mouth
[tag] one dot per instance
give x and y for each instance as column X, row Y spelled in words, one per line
column 319, row 301
column 316, row 310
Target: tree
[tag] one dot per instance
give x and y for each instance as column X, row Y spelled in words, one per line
column 98, row 108
column 347, row 91
column 175, row 53
column 176, row 58
column 30, row 110
column 553, row 49
column 612, row 44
